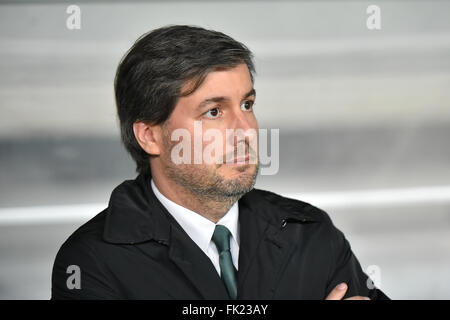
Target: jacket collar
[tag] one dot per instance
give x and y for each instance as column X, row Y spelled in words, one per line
column 135, row 215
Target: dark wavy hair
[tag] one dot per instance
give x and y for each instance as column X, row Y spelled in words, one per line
column 150, row 76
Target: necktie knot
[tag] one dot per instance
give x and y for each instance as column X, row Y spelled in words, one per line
column 221, row 238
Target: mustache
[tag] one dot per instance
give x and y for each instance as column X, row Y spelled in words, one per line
column 249, row 151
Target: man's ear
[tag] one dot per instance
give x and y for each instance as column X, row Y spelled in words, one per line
column 148, row 136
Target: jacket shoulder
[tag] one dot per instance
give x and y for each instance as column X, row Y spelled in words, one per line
column 87, row 238
column 296, row 208
column 82, row 251
column 91, row 231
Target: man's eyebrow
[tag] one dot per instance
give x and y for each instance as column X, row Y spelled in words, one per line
column 252, row 92
column 205, row 102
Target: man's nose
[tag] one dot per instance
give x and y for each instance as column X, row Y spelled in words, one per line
column 242, row 120
column 242, row 128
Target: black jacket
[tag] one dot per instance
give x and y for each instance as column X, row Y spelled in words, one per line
column 134, row 249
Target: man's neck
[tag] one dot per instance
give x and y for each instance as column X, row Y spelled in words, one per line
column 212, row 208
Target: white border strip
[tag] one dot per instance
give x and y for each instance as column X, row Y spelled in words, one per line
column 327, row 200
column 376, row 198
column 49, row 214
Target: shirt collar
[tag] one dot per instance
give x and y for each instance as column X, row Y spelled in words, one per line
column 199, row 228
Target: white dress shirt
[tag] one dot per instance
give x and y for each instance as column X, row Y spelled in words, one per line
column 201, row 230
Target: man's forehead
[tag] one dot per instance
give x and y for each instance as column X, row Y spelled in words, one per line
column 222, row 82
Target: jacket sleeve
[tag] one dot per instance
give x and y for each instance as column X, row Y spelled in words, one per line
column 346, row 268
column 78, row 273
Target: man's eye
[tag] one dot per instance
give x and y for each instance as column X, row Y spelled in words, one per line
column 247, row 105
column 213, row 113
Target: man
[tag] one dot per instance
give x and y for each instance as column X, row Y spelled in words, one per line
column 198, row 229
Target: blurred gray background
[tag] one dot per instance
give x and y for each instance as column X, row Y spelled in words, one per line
column 364, row 119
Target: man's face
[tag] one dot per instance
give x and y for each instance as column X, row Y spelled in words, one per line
column 224, row 103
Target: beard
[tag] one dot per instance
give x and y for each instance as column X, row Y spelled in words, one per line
column 205, row 181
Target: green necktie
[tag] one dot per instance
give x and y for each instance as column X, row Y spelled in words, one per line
column 221, row 239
